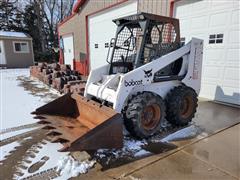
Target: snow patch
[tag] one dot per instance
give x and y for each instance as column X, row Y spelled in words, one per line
column 48, row 150
column 16, row 102
column 133, row 144
column 13, row 34
column 141, row 153
column 131, row 148
column 6, row 149
column 15, row 133
column 188, row 132
column 68, row 167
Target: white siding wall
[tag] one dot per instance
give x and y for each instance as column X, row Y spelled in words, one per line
column 221, row 63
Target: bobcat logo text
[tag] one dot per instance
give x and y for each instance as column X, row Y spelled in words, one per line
column 132, row 83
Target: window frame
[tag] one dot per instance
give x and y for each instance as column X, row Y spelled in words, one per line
column 16, row 42
column 216, row 38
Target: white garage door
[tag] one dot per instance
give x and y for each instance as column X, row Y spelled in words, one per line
column 68, row 50
column 102, row 30
column 217, row 22
column 2, row 54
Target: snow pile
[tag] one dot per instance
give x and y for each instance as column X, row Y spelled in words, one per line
column 13, row 34
column 131, row 144
column 6, row 150
column 68, row 167
column 131, row 148
column 18, row 99
column 45, row 153
column 7, row 135
column 188, row 132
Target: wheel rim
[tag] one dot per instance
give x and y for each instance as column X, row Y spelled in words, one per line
column 150, row 116
column 186, row 107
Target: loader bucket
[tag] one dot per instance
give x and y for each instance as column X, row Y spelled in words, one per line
column 81, row 124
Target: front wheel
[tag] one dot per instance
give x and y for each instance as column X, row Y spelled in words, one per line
column 143, row 114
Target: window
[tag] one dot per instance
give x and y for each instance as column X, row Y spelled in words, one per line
column 20, row 47
column 106, row 45
column 112, row 44
column 215, row 38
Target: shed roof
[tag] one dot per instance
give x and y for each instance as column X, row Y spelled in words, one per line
column 14, row 34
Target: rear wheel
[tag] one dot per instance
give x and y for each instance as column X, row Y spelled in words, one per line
column 143, row 114
column 181, row 105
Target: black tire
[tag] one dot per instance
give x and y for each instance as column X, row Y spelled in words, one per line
column 143, row 114
column 181, row 104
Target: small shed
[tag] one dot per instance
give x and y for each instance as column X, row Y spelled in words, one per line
column 16, row 50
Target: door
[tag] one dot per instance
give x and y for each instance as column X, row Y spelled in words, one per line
column 217, row 23
column 2, row 54
column 68, row 50
column 102, row 30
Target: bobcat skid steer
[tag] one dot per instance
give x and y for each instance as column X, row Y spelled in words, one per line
column 150, row 76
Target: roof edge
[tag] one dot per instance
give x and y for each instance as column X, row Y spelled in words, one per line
column 19, row 38
column 78, row 5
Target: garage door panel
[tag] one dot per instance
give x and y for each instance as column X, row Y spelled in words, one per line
column 185, row 24
column 233, row 55
column 214, row 54
column 68, row 50
column 198, row 34
column 219, row 19
column 200, row 6
column 222, row 4
column 234, row 36
column 183, row 9
column 211, row 72
column 199, row 22
column 102, row 30
column 221, row 67
column 208, row 90
column 231, row 75
column 235, row 17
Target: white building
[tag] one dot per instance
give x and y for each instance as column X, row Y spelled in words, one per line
column 86, row 36
column 217, row 22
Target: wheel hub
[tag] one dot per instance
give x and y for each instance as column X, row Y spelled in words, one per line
column 150, row 116
column 186, row 107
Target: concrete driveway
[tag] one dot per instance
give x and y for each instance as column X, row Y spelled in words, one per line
column 207, row 149
column 213, row 154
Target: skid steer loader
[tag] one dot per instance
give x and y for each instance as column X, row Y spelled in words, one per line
column 150, row 76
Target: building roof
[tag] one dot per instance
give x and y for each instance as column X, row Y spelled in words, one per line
column 14, row 34
column 77, row 5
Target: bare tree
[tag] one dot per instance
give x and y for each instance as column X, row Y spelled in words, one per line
column 55, row 11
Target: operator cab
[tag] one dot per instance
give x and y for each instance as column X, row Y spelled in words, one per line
column 142, row 38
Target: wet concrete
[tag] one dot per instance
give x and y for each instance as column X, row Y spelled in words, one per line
column 179, row 166
column 221, row 150
column 213, row 117
column 216, row 157
column 159, row 147
column 210, row 118
column 110, row 161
